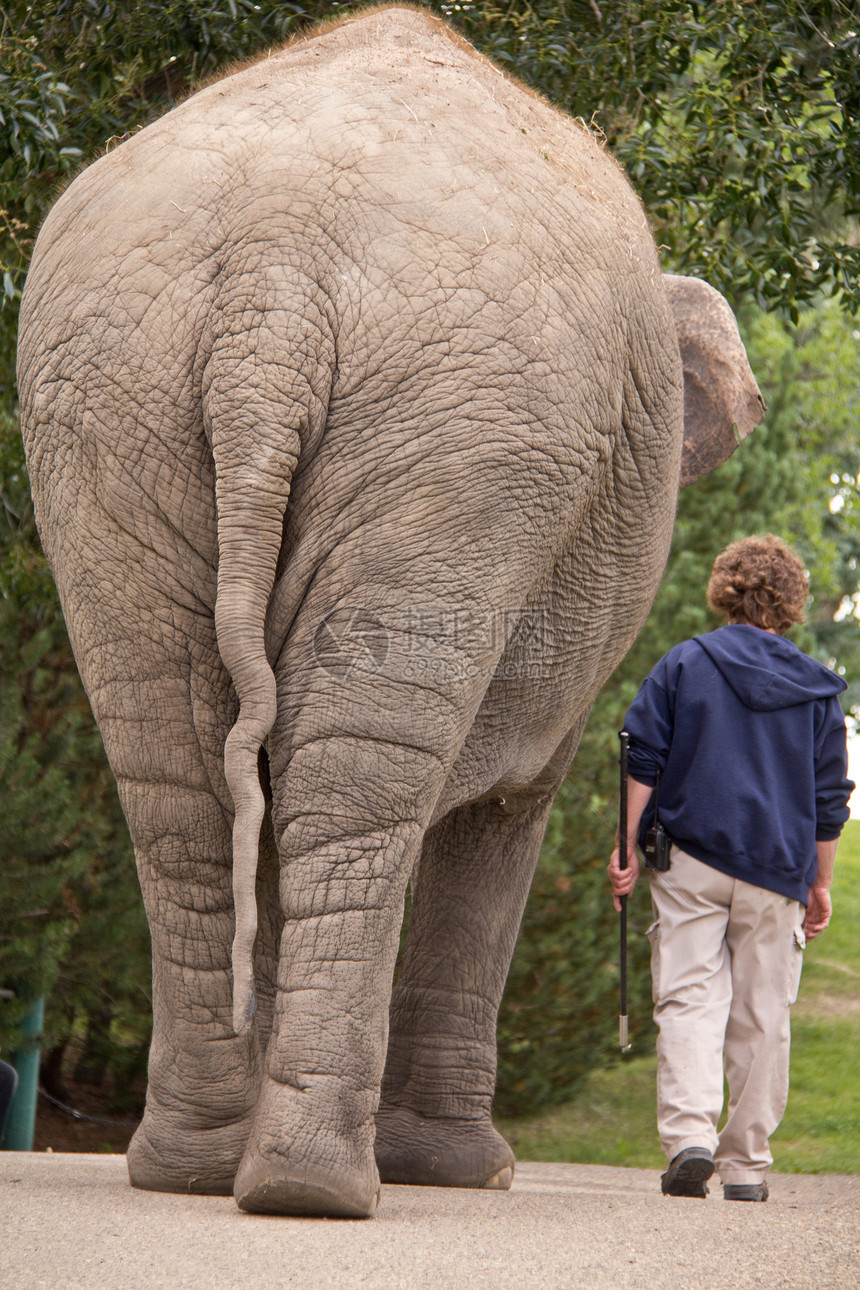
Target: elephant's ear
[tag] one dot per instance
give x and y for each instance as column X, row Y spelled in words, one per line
column 722, row 403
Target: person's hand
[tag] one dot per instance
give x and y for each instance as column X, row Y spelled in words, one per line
column 623, row 880
column 819, row 907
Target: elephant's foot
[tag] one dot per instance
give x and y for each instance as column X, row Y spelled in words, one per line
column 296, row 1165
column 169, row 1156
column 270, row 1184
column 426, row 1151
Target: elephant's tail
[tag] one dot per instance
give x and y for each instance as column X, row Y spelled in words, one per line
column 251, row 497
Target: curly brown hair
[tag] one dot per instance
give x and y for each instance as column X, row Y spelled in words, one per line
column 760, row 581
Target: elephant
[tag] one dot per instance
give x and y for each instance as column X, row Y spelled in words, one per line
column 355, row 405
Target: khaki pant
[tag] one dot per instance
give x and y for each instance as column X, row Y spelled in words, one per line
column 725, row 961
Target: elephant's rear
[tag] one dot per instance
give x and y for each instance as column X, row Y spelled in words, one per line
column 423, row 225
column 366, row 258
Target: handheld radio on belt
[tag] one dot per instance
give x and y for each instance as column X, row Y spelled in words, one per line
column 658, row 844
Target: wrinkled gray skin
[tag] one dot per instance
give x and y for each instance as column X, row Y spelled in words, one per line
column 362, row 326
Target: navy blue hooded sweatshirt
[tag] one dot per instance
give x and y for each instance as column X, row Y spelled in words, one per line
column 748, row 737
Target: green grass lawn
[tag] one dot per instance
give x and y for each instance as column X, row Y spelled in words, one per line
column 612, row 1120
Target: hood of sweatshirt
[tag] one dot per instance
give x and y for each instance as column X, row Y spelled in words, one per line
column 768, row 672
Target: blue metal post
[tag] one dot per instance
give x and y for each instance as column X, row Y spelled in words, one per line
column 21, row 1123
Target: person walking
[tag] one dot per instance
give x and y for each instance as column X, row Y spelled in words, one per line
column 740, row 738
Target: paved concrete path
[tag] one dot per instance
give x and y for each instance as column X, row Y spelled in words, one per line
column 69, row 1222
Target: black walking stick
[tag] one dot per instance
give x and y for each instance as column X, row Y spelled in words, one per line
column 622, row 863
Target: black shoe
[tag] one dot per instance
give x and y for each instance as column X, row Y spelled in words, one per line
column 688, row 1173
column 745, row 1191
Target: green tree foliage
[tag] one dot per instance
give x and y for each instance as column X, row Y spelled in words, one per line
column 739, row 125
column 36, row 814
column 77, row 76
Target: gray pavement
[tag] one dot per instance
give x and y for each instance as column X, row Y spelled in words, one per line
column 70, row 1221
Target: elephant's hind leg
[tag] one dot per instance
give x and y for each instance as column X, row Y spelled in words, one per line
column 359, row 758
column 346, row 857
column 434, row 1123
column 203, row 1080
column 161, row 698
